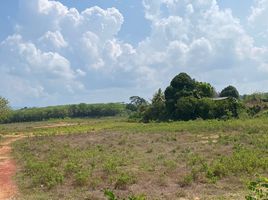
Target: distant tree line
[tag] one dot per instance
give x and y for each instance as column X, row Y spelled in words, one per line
column 65, row 111
column 184, row 99
column 188, row 99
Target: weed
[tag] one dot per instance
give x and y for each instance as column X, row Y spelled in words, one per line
column 187, row 180
column 111, row 196
column 43, row 175
column 259, row 189
column 123, row 180
column 81, row 177
column 116, row 153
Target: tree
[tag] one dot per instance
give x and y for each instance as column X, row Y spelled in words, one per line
column 204, row 90
column 181, row 85
column 229, row 91
column 4, row 109
column 158, row 98
column 186, row 108
column 183, row 82
column 156, row 110
column 137, row 101
column 205, row 108
column 138, row 106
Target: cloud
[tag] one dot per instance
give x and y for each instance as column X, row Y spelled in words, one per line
column 57, row 51
column 60, row 55
column 258, row 20
column 201, row 38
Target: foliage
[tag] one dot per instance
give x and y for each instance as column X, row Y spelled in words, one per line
column 157, row 109
column 43, row 174
column 138, row 106
column 186, row 108
column 123, row 180
column 204, row 90
column 259, row 189
column 4, row 109
column 181, row 85
column 256, row 104
column 65, row 111
column 137, row 101
column 111, row 196
column 188, row 99
column 229, row 91
column 115, row 153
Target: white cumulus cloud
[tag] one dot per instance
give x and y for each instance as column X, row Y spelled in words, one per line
column 61, row 55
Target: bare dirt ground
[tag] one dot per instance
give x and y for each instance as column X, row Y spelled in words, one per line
column 8, row 189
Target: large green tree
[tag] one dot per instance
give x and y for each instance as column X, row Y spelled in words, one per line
column 183, row 86
column 229, row 91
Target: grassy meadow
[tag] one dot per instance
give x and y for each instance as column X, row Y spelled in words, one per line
column 81, row 158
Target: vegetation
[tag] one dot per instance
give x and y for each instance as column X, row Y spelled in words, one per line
column 61, row 112
column 259, row 189
column 111, row 196
column 181, row 157
column 188, row 99
column 200, row 146
column 4, row 109
column 229, row 91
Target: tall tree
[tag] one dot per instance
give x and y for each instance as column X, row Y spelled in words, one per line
column 156, row 110
column 181, row 85
column 137, row 101
column 229, row 91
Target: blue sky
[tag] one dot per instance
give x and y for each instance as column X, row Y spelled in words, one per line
column 61, row 52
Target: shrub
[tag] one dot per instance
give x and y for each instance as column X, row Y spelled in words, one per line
column 259, row 189
column 111, row 196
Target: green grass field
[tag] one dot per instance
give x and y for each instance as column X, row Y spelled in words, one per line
column 80, row 158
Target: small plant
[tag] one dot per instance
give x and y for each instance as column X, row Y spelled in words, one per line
column 81, row 177
column 71, row 167
column 123, row 180
column 111, row 165
column 43, row 174
column 111, row 196
column 187, row 180
column 259, row 189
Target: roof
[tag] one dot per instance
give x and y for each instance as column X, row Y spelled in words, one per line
column 219, row 98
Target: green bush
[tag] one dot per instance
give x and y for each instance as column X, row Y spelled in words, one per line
column 259, row 189
column 111, row 196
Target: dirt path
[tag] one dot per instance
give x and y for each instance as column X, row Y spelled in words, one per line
column 8, row 188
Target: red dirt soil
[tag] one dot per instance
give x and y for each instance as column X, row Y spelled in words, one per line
column 8, row 189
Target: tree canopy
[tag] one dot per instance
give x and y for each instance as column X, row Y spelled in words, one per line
column 229, row 91
column 183, row 86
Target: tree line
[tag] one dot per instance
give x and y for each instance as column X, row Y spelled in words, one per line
column 184, row 99
column 60, row 112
